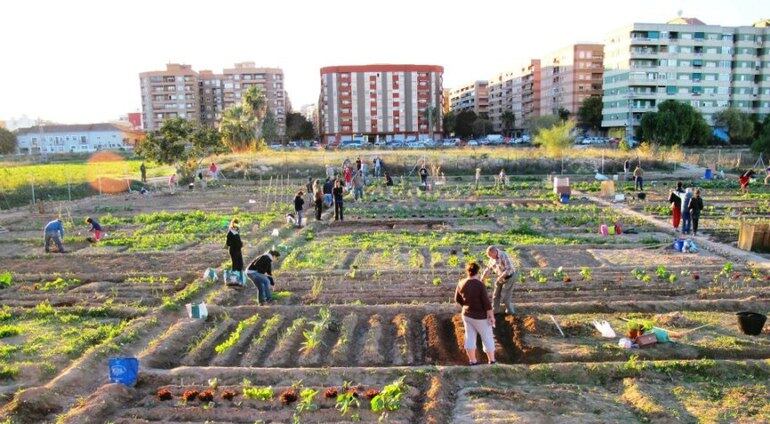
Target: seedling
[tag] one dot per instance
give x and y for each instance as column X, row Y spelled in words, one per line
column 345, row 401
column 306, row 398
column 586, row 273
column 259, row 393
column 437, row 281
column 390, row 397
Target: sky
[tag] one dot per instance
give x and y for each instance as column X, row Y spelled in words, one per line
column 78, row 61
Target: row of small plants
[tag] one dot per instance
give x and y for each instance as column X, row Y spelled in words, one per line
column 346, row 398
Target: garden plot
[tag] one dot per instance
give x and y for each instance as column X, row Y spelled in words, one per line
column 339, row 336
column 242, row 395
column 634, row 391
column 661, row 256
column 37, row 343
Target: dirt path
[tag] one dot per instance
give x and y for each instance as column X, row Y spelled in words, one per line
column 704, row 242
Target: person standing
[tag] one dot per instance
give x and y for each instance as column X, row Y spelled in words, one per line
column 338, row 192
column 329, row 172
column 318, row 197
column 638, row 178
column 696, row 206
column 172, row 183
column 477, row 313
column 327, row 189
column 377, row 166
column 213, row 171
column 95, row 229
column 54, row 232
column 260, row 271
column 675, row 199
column 388, row 180
column 686, row 217
column 423, row 174
column 299, row 205
column 234, row 245
column 358, row 186
column 358, row 163
column 626, row 169
column 501, row 264
column 348, row 175
column 143, row 171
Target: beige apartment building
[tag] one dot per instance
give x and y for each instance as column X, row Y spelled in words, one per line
column 203, row 96
column 505, row 91
column 473, row 96
column 570, row 75
column 530, row 90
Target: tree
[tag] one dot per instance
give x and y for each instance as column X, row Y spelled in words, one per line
column 238, row 128
column 431, row 115
column 590, row 113
column 449, row 123
column 481, row 127
column 509, row 122
column 269, row 127
column 675, row 123
column 563, row 114
column 255, row 102
column 740, row 125
column 464, row 123
column 762, row 142
column 542, row 122
column 8, row 142
column 298, row 127
column 556, row 138
column 181, row 143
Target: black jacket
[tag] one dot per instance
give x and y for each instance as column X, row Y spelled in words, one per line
column 676, row 198
column 338, row 193
column 328, row 186
column 696, row 205
column 299, row 202
column 388, row 180
column 233, row 241
column 263, row 265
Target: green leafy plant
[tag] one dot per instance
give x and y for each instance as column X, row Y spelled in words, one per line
column 389, row 399
column 538, row 276
column 559, row 273
column 236, row 335
column 345, row 401
column 313, row 336
column 60, row 284
column 586, row 273
column 306, row 400
column 6, row 279
column 437, row 281
column 259, row 393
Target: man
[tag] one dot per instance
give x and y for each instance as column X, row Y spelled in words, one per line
column 327, row 189
column 423, row 175
column 501, row 264
column 626, row 169
column 143, row 171
column 358, row 186
column 54, row 231
column 299, row 205
column 377, row 166
column 260, row 271
column 337, row 193
column 358, row 163
column 638, row 178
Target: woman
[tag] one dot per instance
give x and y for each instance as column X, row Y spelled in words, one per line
column 299, row 205
column 318, row 196
column 337, row 193
column 745, row 179
column 478, row 316
column 696, row 205
column 358, row 186
column 686, row 217
column 234, row 245
column 675, row 198
column 348, row 175
column 95, row 229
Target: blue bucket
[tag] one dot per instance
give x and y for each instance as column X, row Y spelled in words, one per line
column 564, row 198
column 708, row 175
column 678, row 245
column 124, row 370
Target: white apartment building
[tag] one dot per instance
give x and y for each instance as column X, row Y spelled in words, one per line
column 505, row 96
column 77, row 138
column 710, row 67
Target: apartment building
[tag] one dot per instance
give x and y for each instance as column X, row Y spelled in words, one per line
column 711, row 67
column 505, row 96
column 85, row 138
column 570, row 75
column 530, row 90
column 203, row 96
column 379, row 102
column 473, row 96
column 169, row 94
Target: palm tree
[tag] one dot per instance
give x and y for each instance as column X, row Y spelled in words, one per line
column 238, row 127
column 509, row 120
column 432, row 116
column 256, row 103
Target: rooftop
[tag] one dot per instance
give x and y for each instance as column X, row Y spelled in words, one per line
column 69, row 128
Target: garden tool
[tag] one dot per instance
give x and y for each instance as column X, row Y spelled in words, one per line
column 605, row 328
column 558, row 327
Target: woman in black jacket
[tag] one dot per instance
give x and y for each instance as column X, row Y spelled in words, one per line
column 696, row 205
column 234, row 245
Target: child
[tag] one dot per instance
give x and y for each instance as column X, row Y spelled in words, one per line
column 95, row 229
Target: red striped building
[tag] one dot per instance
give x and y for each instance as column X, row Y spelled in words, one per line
column 379, row 102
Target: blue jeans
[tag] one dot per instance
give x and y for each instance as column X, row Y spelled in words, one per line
column 55, row 237
column 358, row 193
column 262, row 282
column 686, row 222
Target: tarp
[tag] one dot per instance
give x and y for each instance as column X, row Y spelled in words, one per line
column 721, row 134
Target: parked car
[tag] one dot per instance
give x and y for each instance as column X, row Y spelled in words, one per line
column 351, row 145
